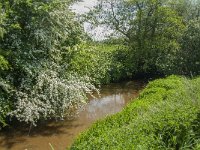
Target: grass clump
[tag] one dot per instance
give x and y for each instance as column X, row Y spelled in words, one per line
column 166, row 115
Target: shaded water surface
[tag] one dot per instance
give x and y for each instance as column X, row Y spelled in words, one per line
column 59, row 135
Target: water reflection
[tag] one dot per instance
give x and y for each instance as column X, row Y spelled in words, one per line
column 103, row 106
column 61, row 134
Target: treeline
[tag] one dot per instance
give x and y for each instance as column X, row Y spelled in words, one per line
column 162, row 36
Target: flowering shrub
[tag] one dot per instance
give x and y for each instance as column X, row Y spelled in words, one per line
column 51, row 97
column 34, row 61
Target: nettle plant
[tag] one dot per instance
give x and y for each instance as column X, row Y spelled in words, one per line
column 36, row 43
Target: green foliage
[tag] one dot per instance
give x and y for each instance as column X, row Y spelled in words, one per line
column 188, row 60
column 188, row 9
column 190, row 53
column 151, row 29
column 123, row 66
column 5, row 105
column 3, row 63
column 165, row 116
column 46, row 69
column 157, row 31
column 2, row 17
column 35, row 44
column 93, row 61
column 103, row 63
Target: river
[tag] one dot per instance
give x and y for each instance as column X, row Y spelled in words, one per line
column 59, row 135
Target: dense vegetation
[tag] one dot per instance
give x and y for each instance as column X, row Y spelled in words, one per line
column 35, row 46
column 162, row 35
column 165, row 116
column 48, row 65
column 159, row 37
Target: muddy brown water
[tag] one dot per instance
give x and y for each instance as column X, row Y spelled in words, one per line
column 59, row 135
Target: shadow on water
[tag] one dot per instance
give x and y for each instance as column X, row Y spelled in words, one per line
column 113, row 98
column 13, row 136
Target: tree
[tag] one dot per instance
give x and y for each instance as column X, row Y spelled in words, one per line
column 190, row 53
column 191, row 48
column 3, row 62
column 188, row 9
column 37, row 42
column 151, row 28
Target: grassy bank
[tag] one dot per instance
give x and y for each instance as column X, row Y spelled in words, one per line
column 165, row 116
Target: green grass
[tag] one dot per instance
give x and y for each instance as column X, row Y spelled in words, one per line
column 165, row 116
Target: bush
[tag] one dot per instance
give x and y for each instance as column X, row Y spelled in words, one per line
column 52, row 96
column 165, row 116
column 93, row 61
column 5, row 104
column 34, row 36
column 103, row 63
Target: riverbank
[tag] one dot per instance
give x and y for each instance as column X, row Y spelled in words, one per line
column 113, row 97
column 165, row 116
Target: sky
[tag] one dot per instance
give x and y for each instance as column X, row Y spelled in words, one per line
column 98, row 33
column 84, row 6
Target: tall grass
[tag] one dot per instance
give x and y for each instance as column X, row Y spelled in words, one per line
column 165, row 116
